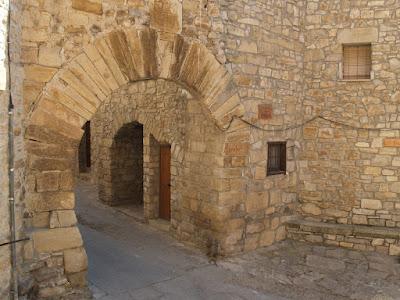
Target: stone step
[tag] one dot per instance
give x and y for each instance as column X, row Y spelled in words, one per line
column 345, row 229
column 357, row 237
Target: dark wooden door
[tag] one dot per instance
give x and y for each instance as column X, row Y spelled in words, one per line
column 165, row 182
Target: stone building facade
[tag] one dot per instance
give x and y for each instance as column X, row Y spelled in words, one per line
column 218, row 81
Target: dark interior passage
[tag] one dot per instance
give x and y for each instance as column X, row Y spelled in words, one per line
column 84, row 150
column 127, row 165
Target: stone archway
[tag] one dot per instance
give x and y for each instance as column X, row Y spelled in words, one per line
column 71, row 98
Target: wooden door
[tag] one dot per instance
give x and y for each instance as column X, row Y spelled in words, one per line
column 165, row 182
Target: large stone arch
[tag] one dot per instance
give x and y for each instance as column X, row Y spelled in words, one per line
column 132, row 55
column 71, row 97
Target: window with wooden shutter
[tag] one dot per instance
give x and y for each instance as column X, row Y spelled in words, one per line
column 276, row 163
column 357, row 61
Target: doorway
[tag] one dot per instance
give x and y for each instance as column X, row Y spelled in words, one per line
column 84, row 158
column 165, row 182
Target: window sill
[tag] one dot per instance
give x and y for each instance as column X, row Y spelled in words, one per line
column 276, row 173
column 355, row 80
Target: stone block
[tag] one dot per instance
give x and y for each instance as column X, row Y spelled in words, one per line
column 256, row 202
column 376, row 171
column 77, row 279
column 89, row 6
column 40, row 202
column 75, row 260
column 267, row 238
column 39, row 73
column 248, row 46
column 62, row 218
column 371, row 204
column 236, row 149
column 50, row 56
column 166, row 15
column 394, row 250
column 58, row 239
column 395, row 187
column 47, row 181
column 310, row 133
column 310, row 208
column 358, row 35
column 66, row 182
column 359, row 220
column 391, row 142
column 41, row 220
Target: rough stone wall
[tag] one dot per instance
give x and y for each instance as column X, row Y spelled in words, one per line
column 169, row 115
column 119, row 166
column 264, row 43
column 351, row 175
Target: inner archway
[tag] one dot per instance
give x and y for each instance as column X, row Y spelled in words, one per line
column 151, row 141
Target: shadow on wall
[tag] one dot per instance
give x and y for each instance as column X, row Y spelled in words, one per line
column 127, row 165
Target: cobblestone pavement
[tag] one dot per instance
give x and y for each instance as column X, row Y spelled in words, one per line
column 304, row 271
column 131, row 260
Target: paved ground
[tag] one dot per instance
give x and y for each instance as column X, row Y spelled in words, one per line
column 130, row 260
column 303, row 271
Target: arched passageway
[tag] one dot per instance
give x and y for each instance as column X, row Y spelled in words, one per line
column 76, row 92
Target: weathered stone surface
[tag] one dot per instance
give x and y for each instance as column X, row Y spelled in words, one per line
column 236, row 149
column 394, row 250
column 89, row 6
column 40, row 202
column 324, row 262
column 75, row 260
column 47, row 181
column 57, row 239
column 391, row 143
column 358, row 35
column 62, row 218
column 371, row 204
column 166, row 15
column 267, row 238
column 39, row 73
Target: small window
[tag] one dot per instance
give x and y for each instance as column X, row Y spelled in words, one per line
column 276, row 163
column 356, row 62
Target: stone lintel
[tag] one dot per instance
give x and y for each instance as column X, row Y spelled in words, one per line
column 358, row 35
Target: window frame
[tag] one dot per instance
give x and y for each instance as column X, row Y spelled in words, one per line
column 282, row 158
column 342, row 64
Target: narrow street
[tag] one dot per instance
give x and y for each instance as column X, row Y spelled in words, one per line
column 130, row 260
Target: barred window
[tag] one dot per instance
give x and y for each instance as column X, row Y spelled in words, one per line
column 276, row 163
column 357, row 61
